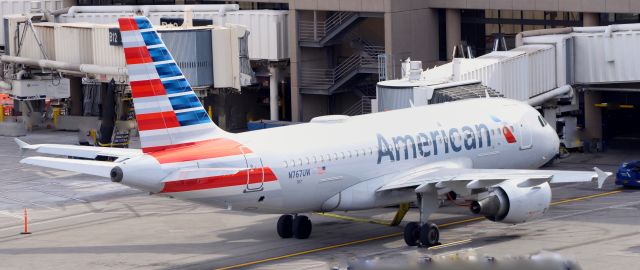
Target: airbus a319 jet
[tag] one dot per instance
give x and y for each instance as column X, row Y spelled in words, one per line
column 487, row 151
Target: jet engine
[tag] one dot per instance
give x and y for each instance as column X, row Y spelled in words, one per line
column 508, row 203
column 144, row 173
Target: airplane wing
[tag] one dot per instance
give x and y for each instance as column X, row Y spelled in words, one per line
column 92, row 167
column 483, row 178
column 90, row 152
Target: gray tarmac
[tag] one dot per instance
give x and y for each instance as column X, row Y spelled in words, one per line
column 82, row 222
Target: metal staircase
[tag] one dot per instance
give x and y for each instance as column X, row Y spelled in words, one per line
column 362, row 106
column 325, row 81
column 314, row 33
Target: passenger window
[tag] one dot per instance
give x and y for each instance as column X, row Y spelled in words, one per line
column 286, row 164
column 308, row 161
column 315, row 160
column 299, row 162
column 335, row 156
column 293, row 163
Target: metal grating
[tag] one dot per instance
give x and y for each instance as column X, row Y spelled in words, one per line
column 463, row 92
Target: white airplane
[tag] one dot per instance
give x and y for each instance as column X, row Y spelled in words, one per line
column 484, row 150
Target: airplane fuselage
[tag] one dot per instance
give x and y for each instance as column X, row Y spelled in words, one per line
column 338, row 163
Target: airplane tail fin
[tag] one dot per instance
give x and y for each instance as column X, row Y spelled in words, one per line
column 168, row 112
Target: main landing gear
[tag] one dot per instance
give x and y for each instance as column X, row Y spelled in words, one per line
column 290, row 226
column 424, row 233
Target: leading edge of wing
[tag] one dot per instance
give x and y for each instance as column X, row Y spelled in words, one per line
column 481, row 178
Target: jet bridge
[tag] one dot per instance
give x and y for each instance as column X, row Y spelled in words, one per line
column 550, row 69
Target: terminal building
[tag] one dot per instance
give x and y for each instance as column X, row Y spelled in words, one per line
column 346, row 57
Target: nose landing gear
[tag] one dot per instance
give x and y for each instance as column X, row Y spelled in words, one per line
column 298, row 227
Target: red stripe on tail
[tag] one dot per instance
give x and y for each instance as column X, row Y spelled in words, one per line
column 127, row 24
column 161, row 120
column 148, row 88
column 137, row 55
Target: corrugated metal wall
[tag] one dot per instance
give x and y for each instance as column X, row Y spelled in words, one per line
column 30, row 48
column 73, row 43
column 393, row 98
column 593, row 50
column 191, row 49
column 518, row 74
column 269, row 38
column 269, row 32
column 8, row 7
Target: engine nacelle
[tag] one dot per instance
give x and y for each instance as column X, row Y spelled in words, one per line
column 143, row 173
column 508, row 203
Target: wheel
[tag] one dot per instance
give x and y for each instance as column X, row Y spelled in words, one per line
column 411, row 233
column 301, row 227
column 285, row 226
column 429, row 234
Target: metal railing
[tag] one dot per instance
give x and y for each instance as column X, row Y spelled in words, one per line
column 362, row 106
column 310, row 30
column 325, row 78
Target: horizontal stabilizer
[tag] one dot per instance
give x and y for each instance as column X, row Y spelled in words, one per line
column 92, row 167
column 78, row 150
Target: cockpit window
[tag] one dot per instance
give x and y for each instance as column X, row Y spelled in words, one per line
column 542, row 121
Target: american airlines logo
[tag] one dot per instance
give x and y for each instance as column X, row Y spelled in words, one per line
column 438, row 142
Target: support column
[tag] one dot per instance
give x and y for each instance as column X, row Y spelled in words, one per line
column 590, row 19
column 294, row 51
column 454, row 32
column 273, row 92
column 549, row 110
column 76, row 96
column 592, row 115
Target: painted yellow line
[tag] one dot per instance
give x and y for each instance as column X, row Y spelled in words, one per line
column 397, row 234
column 586, row 197
column 354, row 219
column 456, row 243
column 310, row 251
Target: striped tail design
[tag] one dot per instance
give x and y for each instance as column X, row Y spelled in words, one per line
column 168, row 112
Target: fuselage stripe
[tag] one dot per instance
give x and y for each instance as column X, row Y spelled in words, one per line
column 249, row 176
column 214, row 148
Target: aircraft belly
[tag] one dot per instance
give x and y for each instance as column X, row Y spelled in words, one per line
column 235, row 198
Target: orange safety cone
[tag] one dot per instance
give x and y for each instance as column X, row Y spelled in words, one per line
column 26, row 223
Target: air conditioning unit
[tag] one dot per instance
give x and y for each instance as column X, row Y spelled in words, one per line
column 55, row 88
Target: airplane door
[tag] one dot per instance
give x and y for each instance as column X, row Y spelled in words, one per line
column 526, row 139
column 254, row 172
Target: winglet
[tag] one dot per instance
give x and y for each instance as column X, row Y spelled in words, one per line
column 602, row 176
column 23, row 145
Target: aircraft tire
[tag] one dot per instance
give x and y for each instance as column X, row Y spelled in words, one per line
column 429, row 235
column 301, row 227
column 411, row 233
column 285, row 226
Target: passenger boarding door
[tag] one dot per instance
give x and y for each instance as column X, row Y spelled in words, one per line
column 254, row 171
column 526, row 139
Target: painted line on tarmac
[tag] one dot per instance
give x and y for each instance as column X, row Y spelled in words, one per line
column 586, row 197
column 464, row 221
column 456, row 243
